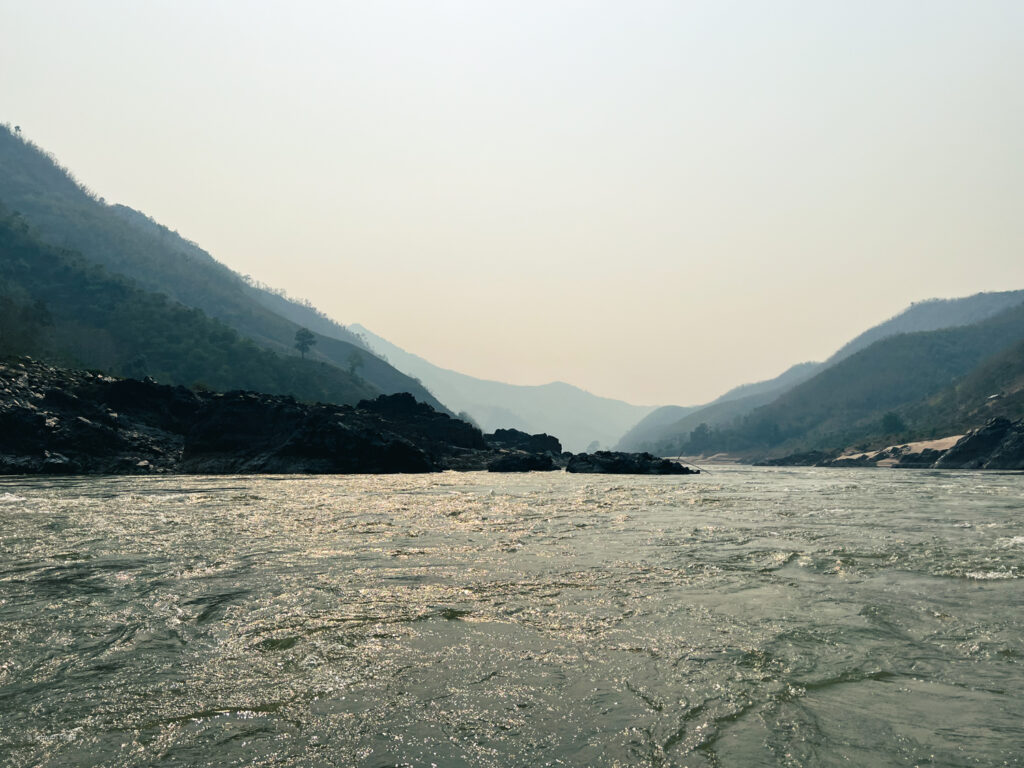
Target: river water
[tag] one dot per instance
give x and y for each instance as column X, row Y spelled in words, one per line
column 747, row 617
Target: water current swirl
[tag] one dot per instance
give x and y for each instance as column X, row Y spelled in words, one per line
column 747, row 617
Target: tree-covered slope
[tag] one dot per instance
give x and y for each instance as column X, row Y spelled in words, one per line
column 62, row 213
column 994, row 389
column 875, row 391
column 654, row 431
column 933, row 315
column 57, row 305
column 661, row 432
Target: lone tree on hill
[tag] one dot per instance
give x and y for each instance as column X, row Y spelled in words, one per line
column 304, row 339
column 355, row 362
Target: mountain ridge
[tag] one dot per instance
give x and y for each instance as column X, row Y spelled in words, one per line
column 577, row 417
column 931, row 314
column 65, row 214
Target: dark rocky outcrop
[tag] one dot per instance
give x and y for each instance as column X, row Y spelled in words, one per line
column 431, row 430
column 922, row 460
column 619, row 463
column 69, row 422
column 520, row 461
column 55, row 421
column 805, row 459
column 997, row 445
column 245, row 432
column 58, row 421
column 513, row 439
column 516, row 451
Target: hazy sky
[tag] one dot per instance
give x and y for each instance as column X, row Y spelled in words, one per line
column 652, row 200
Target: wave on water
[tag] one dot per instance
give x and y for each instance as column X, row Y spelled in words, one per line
column 471, row 620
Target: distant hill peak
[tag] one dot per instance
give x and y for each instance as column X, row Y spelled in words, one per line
column 576, row 417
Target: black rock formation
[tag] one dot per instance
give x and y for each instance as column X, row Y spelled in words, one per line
column 807, row 459
column 618, row 463
column 245, row 432
column 74, row 422
column 997, row 445
column 55, row 421
column 520, row 461
column 514, row 439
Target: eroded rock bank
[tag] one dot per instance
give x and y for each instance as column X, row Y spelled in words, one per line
column 58, row 421
column 999, row 444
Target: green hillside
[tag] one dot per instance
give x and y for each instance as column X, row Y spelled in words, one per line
column 995, row 388
column 933, row 315
column 57, row 305
column 660, row 426
column 882, row 391
column 64, row 214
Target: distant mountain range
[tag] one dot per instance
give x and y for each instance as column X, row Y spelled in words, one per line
column 576, row 417
column 938, row 367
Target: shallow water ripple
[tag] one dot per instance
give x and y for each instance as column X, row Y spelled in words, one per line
column 796, row 617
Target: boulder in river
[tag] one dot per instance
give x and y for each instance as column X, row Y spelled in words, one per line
column 515, row 439
column 619, row 463
column 520, row 461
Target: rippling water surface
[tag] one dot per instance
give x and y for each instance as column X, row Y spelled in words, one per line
column 747, row 617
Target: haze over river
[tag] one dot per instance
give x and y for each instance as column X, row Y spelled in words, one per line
column 747, row 617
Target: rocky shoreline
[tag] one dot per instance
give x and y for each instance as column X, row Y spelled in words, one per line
column 59, row 421
column 999, row 444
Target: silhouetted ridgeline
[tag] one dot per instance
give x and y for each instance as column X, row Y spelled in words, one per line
column 578, row 417
column 56, row 304
column 60, row 213
column 57, row 421
column 903, row 387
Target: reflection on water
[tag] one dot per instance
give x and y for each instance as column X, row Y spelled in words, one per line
column 799, row 617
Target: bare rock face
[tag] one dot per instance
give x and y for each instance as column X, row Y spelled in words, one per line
column 55, row 421
column 997, row 445
column 431, row 430
column 618, row 463
column 514, row 439
column 520, row 461
column 806, row 459
column 246, row 432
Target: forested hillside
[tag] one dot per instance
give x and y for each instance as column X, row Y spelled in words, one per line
column 933, row 315
column 666, row 431
column 905, row 386
column 993, row 389
column 672, row 420
column 62, row 213
column 55, row 304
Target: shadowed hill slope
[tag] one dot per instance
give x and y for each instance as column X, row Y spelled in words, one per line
column 64, row 214
column 663, row 433
column 55, row 304
column 882, row 389
column 671, row 419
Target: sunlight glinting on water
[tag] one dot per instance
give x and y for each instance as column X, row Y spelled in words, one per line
column 749, row 617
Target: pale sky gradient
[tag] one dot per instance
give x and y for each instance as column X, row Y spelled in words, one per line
column 655, row 201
